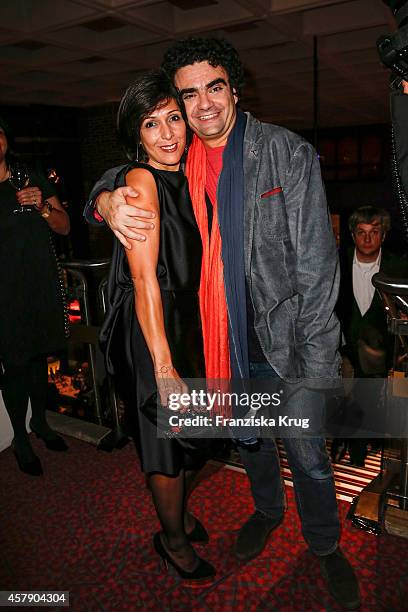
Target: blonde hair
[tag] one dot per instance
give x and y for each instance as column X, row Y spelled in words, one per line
column 368, row 215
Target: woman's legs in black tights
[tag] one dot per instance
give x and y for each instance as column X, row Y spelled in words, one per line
column 20, row 383
column 37, row 374
column 190, row 481
column 15, row 396
column 168, row 497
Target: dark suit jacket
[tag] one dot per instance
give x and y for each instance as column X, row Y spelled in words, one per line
column 372, row 327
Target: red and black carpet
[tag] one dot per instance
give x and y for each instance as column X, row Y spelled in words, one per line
column 86, row 527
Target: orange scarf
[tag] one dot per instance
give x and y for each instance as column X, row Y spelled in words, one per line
column 213, row 305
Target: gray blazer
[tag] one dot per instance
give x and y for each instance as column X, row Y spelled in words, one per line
column 290, row 253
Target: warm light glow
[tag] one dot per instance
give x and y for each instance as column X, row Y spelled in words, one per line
column 53, row 365
column 74, row 307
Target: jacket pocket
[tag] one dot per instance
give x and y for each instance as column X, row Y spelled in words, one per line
column 271, row 192
column 270, row 217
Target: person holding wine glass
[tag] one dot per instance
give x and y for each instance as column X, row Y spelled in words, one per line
column 32, row 322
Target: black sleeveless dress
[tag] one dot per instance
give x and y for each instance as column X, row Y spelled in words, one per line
column 126, row 353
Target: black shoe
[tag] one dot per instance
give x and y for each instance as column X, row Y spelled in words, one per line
column 204, row 570
column 340, row 579
column 53, row 442
column 33, row 467
column 199, row 533
column 253, row 535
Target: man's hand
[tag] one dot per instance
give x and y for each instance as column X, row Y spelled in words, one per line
column 118, row 210
column 404, row 86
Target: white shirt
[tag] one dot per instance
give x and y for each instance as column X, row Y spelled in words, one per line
column 363, row 288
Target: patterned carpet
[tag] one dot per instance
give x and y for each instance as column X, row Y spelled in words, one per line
column 87, row 526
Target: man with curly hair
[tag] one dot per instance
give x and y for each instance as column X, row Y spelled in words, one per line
column 269, row 281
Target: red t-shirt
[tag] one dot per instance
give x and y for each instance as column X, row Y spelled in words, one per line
column 213, row 171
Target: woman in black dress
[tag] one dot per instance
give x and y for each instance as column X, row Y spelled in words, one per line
column 151, row 335
column 31, row 303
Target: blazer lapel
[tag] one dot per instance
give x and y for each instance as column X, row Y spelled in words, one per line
column 253, row 141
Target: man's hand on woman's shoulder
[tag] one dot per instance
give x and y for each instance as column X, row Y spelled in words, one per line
column 120, row 211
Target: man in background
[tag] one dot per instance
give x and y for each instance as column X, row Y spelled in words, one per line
column 366, row 352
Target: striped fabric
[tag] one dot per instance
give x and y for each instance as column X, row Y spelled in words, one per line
column 349, row 480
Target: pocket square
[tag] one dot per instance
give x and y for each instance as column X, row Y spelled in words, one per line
column 271, row 192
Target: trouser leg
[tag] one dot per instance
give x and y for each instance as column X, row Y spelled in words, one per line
column 357, row 451
column 310, row 466
column 312, row 473
column 315, row 492
column 263, row 469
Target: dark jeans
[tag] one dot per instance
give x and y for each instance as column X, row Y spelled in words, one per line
column 312, row 475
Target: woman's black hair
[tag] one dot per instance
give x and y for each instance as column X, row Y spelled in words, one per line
column 149, row 91
column 10, row 140
column 215, row 51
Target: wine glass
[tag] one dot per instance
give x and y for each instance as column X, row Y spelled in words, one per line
column 19, row 179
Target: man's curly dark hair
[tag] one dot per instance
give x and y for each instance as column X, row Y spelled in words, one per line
column 215, row 51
